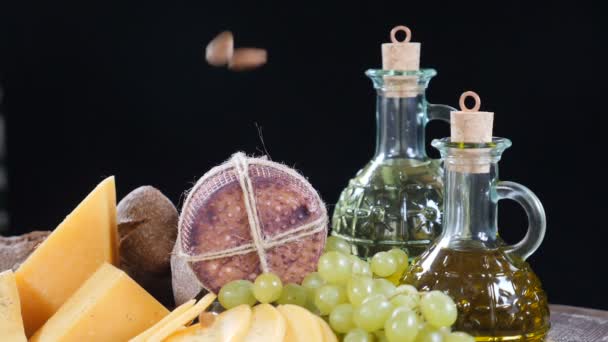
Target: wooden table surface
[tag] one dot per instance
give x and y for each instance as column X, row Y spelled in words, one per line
column 574, row 324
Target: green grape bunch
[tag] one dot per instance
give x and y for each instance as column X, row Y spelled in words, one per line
column 362, row 300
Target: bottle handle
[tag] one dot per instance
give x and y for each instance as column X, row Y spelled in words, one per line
column 439, row 112
column 537, row 222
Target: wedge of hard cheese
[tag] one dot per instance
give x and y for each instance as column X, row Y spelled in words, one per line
column 69, row 256
column 11, row 324
column 109, row 306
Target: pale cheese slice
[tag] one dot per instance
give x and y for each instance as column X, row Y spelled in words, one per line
column 11, row 323
column 267, row 325
column 302, row 326
column 328, row 334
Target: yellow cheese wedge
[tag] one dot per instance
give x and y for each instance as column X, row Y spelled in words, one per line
column 229, row 326
column 174, row 314
column 328, row 334
column 267, row 325
column 109, row 306
column 302, row 326
column 11, row 323
column 178, row 322
column 69, row 256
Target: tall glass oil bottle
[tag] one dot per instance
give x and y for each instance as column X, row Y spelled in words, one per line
column 396, row 199
column 499, row 297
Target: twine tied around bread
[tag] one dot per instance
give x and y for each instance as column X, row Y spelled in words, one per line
column 240, row 164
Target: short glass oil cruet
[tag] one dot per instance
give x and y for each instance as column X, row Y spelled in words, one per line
column 396, row 199
column 499, row 298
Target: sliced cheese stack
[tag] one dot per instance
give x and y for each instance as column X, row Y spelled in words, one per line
column 11, row 323
column 265, row 323
column 69, row 256
column 229, row 326
column 109, row 306
column 175, row 321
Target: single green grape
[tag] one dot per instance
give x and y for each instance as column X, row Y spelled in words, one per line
column 335, row 267
column 402, row 265
column 403, row 300
column 429, row 334
column 406, row 289
column 372, row 313
column 358, row 335
column 327, row 297
column 358, row 288
column 384, row 287
column 360, row 267
column 402, row 326
column 341, row 318
column 401, row 257
column 267, row 287
column 313, row 281
column 235, row 293
column 438, row 309
column 374, row 296
column 293, row 294
column 384, row 264
column 458, row 337
column 444, row 330
column 336, row 244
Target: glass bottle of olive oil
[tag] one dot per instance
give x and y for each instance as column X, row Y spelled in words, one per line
column 499, row 298
column 396, row 199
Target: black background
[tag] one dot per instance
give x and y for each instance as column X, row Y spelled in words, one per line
column 99, row 88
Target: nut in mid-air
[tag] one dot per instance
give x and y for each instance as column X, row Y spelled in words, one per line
column 221, row 52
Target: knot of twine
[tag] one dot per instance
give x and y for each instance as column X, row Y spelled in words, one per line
column 259, row 244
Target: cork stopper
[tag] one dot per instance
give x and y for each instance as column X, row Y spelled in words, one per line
column 401, row 56
column 469, row 125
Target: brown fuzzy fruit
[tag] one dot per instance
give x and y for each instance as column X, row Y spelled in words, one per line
column 147, row 226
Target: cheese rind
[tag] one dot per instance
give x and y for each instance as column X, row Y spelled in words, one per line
column 11, row 323
column 109, row 306
column 85, row 239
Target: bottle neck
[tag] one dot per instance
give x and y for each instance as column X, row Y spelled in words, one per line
column 400, row 125
column 470, row 209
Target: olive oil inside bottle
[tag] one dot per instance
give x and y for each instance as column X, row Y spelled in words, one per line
column 499, row 297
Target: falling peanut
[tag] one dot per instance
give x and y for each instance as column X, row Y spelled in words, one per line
column 247, row 58
column 219, row 51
